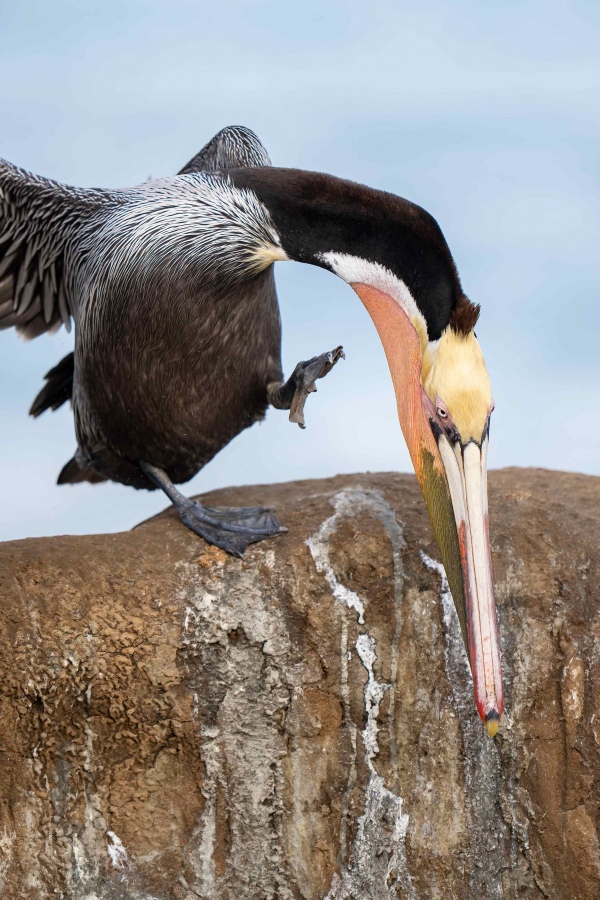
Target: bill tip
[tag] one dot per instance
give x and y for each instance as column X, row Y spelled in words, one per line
column 491, row 724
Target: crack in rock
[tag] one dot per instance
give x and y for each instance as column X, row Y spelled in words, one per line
column 378, row 864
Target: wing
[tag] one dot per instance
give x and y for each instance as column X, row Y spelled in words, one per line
column 38, row 220
column 234, row 147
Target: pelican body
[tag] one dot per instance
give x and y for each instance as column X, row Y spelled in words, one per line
column 178, row 338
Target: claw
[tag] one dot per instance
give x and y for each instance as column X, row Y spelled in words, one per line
column 306, row 373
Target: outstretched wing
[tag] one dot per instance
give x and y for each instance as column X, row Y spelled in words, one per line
column 235, row 147
column 38, row 217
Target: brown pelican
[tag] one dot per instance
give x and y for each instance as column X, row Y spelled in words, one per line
column 177, row 338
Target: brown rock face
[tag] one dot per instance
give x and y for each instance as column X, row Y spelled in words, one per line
column 179, row 724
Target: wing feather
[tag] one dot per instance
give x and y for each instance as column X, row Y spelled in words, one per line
column 39, row 222
column 234, row 147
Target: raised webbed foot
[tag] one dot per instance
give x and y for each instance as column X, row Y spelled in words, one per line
column 292, row 395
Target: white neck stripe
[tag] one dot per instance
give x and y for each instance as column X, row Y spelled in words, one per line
column 354, row 270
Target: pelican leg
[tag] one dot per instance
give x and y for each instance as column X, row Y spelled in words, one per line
column 292, row 394
column 227, row 527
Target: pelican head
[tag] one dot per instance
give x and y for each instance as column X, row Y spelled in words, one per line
column 444, row 405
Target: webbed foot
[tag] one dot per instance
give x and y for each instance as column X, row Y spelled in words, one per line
column 230, row 528
column 226, row 527
column 293, row 394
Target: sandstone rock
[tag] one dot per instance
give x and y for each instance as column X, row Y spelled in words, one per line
column 179, row 724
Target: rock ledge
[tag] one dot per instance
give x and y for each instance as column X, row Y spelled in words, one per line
column 178, row 724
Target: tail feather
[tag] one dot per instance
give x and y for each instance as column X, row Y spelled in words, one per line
column 73, row 473
column 58, row 388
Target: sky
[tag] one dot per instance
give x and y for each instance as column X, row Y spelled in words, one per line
column 485, row 114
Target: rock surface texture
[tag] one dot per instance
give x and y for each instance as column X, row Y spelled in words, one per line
column 179, row 724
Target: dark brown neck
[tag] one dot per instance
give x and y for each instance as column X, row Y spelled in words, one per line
column 317, row 215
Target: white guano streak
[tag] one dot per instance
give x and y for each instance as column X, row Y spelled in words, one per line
column 379, row 801
column 116, row 851
column 449, row 614
column 318, row 544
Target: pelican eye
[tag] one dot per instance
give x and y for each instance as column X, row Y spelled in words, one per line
column 442, row 412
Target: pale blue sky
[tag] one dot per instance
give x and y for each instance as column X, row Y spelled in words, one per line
column 486, row 115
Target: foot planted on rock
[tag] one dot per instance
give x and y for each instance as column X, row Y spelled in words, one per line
column 226, row 527
column 230, row 528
